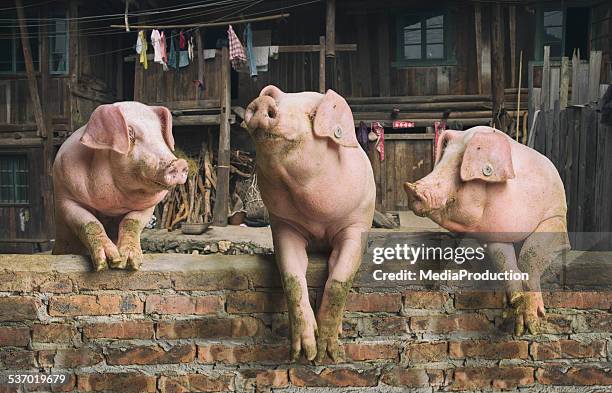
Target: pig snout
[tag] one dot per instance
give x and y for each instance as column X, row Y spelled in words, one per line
column 422, row 199
column 175, row 173
column 261, row 114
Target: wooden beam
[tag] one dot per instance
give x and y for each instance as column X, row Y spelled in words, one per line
column 210, row 24
column 497, row 59
column 384, row 78
column 564, row 87
column 200, row 44
column 322, row 64
column 223, row 158
column 48, row 147
column 594, row 75
column 512, row 31
column 29, row 65
column 330, row 29
column 545, row 92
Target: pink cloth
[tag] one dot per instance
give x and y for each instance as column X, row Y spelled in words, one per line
column 380, row 143
column 236, row 50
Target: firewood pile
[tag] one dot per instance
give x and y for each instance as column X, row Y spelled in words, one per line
column 193, row 202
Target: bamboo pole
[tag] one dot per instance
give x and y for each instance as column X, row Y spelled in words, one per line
column 210, row 24
column 518, row 95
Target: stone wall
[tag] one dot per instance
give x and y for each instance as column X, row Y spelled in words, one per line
column 188, row 323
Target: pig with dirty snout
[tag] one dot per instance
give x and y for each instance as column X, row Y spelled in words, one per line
column 507, row 195
column 318, row 186
column 107, row 178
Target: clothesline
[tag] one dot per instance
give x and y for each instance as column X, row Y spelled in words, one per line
column 210, row 24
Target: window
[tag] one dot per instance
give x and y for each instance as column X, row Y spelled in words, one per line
column 422, row 38
column 553, row 32
column 14, row 179
column 11, row 51
column 564, row 29
column 58, row 44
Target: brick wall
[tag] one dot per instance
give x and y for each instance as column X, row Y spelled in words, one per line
column 215, row 323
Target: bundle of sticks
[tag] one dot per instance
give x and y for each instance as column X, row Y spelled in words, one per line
column 193, row 201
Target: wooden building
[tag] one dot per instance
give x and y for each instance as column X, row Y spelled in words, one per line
column 410, row 61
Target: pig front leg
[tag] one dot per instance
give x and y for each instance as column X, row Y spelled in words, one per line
column 88, row 229
column 525, row 305
column 344, row 262
column 130, row 228
column 292, row 261
column 541, row 248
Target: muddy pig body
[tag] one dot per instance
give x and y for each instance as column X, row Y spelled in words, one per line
column 107, row 178
column 505, row 194
column 318, row 186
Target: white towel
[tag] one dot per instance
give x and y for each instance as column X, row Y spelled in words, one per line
column 209, row 53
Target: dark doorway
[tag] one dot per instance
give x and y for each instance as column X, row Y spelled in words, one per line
column 577, row 31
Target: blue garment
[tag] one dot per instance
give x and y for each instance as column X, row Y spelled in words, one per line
column 248, row 37
column 172, row 51
column 183, row 58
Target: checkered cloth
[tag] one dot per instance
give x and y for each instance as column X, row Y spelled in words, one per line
column 379, row 130
column 236, row 50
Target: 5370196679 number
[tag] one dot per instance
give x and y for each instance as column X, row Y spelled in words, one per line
column 17, row 379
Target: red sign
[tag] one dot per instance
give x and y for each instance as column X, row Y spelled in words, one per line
column 403, row 124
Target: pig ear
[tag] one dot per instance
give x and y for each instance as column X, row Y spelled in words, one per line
column 334, row 120
column 487, row 157
column 165, row 118
column 107, row 129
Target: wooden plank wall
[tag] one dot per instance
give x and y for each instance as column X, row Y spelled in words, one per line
column 405, row 160
column 580, row 147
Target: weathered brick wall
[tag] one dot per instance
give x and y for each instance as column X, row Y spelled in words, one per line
column 215, row 323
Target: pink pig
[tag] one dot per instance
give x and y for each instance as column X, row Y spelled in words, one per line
column 318, row 186
column 108, row 177
column 506, row 194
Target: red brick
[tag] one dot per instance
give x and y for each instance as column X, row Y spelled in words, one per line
column 177, row 304
column 574, row 376
column 140, row 329
column 117, row 382
column 18, row 308
column 367, row 351
column 228, row 279
column 53, row 333
column 213, row 353
column 150, row 354
column 78, row 305
column 210, row 328
column 337, row 377
column 426, row 352
column 577, row 299
column 14, row 336
column 425, row 299
column 450, row 323
column 196, row 383
column 56, row 285
column 599, row 322
column 486, row 349
column 567, row 349
column 466, row 378
column 118, row 280
column 374, row 302
column 252, row 302
column 477, row 300
column 263, row 380
column 381, row 326
column 556, row 324
column 412, row 377
column 16, row 360
column 69, row 358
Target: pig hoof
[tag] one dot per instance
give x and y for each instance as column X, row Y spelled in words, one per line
column 528, row 308
column 131, row 256
column 303, row 340
column 329, row 346
column 104, row 255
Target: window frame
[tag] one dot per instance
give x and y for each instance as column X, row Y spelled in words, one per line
column 15, row 45
column 400, row 22
column 28, row 163
column 53, row 16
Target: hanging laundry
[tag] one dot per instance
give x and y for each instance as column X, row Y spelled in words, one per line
column 183, row 52
column 236, row 50
column 210, row 54
column 248, row 38
column 273, row 52
column 190, row 47
column 182, row 41
column 362, row 135
column 141, row 48
column 172, row 52
column 162, row 49
column 380, row 143
column 156, row 41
